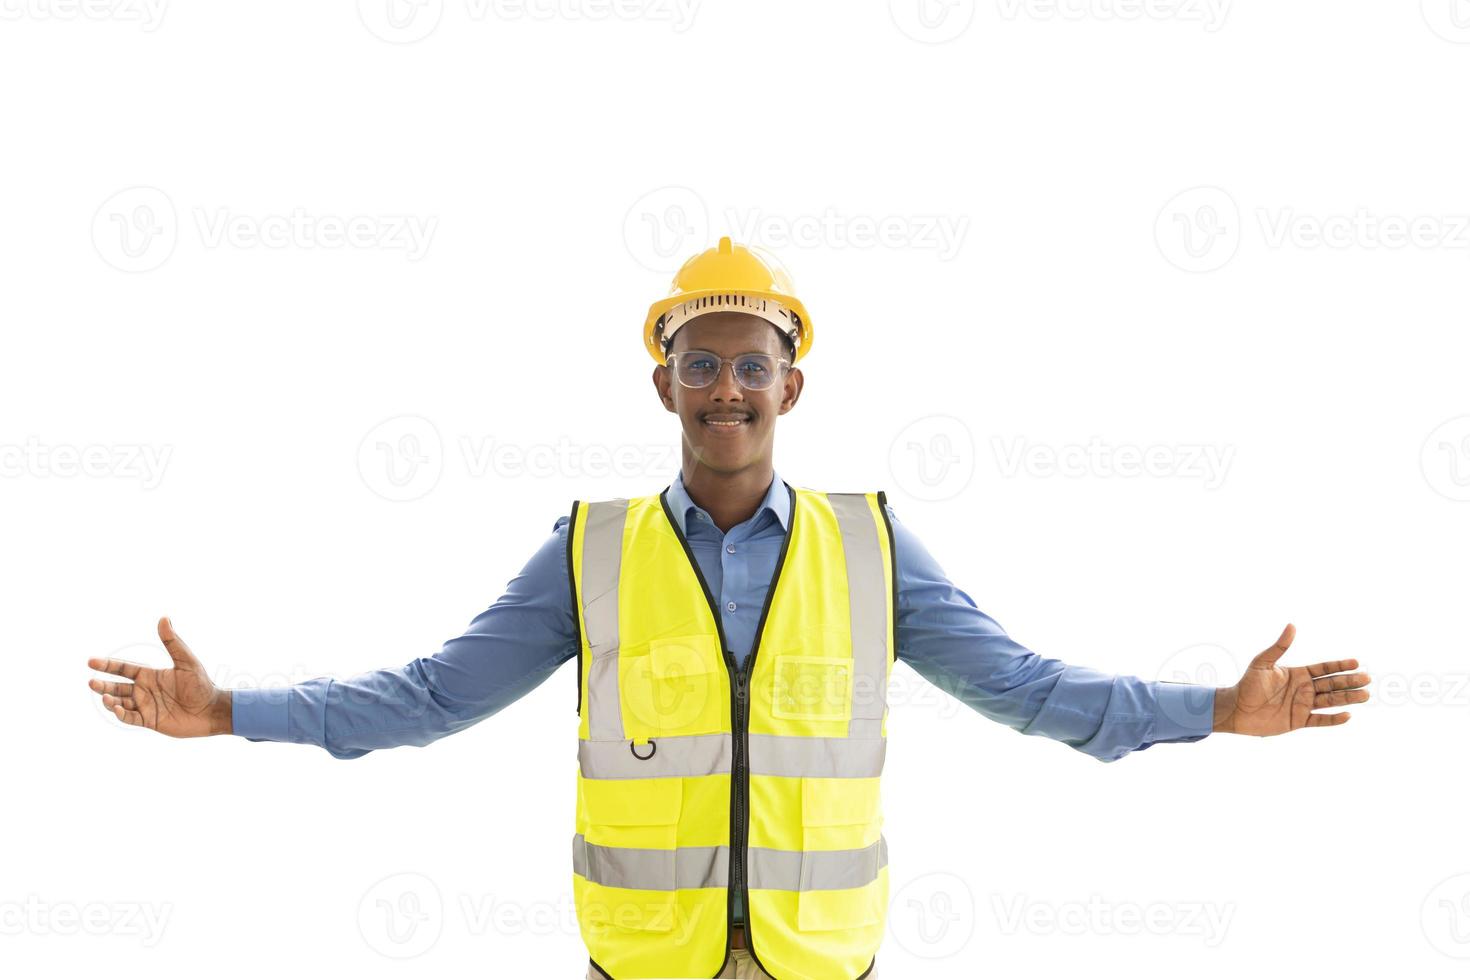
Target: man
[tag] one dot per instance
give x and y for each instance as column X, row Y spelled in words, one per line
column 733, row 637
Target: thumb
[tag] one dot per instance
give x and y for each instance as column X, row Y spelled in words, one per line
column 1269, row 656
column 177, row 649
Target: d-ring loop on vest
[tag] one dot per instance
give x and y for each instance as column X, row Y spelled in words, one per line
column 652, row 748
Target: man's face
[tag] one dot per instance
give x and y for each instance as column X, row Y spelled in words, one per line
column 728, row 448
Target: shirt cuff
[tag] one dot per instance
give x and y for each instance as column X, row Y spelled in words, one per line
column 1185, row 711
column 261, row 714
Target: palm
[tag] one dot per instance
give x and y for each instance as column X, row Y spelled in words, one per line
column 1270, row 699
column 174, row 701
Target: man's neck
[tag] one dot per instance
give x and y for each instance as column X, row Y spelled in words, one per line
column 730, row 498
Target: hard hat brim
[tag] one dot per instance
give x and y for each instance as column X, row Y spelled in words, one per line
column 659, row 308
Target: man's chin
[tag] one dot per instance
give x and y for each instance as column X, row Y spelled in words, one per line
column 724, row 453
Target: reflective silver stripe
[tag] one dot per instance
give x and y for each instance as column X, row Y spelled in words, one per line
column 650, row 868
column 868, row 607
column 653, row 869
column 798, row 755
column 816, row 870
column 682, row 755
column 602, row 559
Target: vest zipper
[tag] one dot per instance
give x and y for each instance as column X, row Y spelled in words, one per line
column 739, row 785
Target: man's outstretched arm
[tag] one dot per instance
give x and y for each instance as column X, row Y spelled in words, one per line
column 945, row 637
column 507, row 651
column 951, row 643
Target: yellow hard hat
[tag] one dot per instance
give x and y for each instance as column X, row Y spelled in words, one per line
column 729, row 277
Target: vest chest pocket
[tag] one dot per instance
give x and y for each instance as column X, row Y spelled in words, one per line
column 673, row 686
column 840, row 820
column 631, row 843
column 806, row 688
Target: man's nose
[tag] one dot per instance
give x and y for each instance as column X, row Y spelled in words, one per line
column 724, row 390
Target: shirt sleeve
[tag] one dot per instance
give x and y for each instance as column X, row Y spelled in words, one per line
column 507, row 651
column 955, row 646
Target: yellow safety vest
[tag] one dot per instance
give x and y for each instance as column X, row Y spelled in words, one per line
column 697, row 777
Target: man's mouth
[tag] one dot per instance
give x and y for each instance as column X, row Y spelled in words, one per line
column 725, row 422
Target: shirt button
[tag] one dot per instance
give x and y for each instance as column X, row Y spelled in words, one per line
column 730, row 548
column 730, row 606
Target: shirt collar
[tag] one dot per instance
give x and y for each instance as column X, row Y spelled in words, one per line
column 777, row 501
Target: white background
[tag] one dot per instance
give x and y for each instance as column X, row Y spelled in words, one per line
column 1185, row 227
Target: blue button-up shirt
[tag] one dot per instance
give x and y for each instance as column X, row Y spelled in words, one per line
column 530, row 631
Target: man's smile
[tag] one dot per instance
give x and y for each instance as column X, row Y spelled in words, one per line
column 725, row 421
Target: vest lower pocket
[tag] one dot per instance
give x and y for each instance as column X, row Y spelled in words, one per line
column 847, row 908
column 607, row 907
column 841, row 884
column 638, row 813
column 628, row 853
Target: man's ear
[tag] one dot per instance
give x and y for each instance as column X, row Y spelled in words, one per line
column 661, row 381
column 794, row 381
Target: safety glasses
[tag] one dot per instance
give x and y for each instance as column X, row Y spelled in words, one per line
column 755, row 371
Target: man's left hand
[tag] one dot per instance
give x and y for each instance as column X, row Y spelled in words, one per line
column 1271, row 700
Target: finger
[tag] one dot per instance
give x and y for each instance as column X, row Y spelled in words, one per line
column 108, row 701
column 1271, row 654
column 1332, row 667
column 127, row 717
column 124, row 668
column 1337, row 699
column 1317, row 721
column 117, row 688
column 176, row 647
column 1340, row 682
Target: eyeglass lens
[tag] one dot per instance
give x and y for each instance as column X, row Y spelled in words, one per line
column 698, row 368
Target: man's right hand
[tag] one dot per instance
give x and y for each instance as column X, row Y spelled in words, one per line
column 181, row 701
